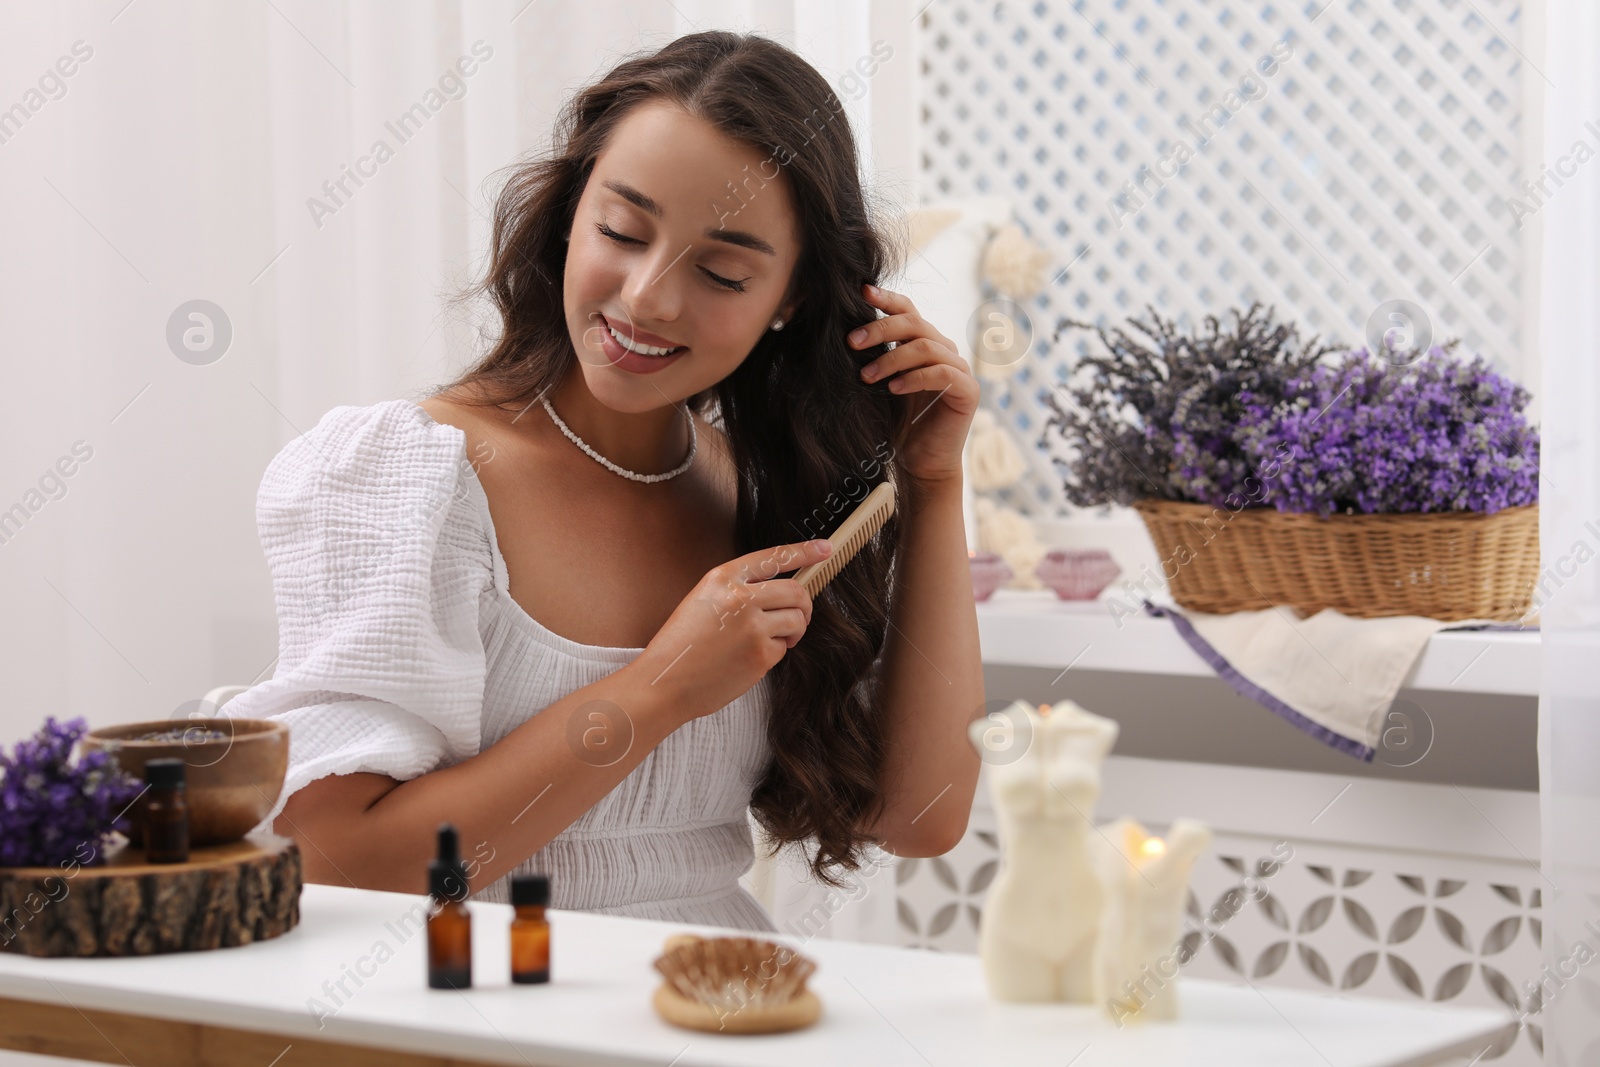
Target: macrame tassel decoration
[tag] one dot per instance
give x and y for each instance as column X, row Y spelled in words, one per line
column 1015, row 266
column 1009, row 534
column 994, row 461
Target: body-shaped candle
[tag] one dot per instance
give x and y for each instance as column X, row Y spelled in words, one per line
column 1147, row 883
column 1037, row 936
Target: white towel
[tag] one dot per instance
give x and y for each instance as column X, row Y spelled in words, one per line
column 1332, row 675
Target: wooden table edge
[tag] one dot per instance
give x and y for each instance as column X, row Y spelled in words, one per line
column 45, row 1029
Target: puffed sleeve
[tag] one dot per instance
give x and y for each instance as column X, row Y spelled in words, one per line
column 372, row 529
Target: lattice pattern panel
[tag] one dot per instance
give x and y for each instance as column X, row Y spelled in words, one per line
column 1330, row 919
column 1340, row 154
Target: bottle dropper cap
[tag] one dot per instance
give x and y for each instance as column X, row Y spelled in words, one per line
column 530, row 889
column 447, row 875
column 163, row 773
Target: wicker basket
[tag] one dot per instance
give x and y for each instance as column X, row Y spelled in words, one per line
column 1443, row 565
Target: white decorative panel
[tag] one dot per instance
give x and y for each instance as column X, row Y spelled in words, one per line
column 1323, row 157
column 1369, row 922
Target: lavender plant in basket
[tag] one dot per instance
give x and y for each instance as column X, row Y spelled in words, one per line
column 1215, row 437
column 1157, row 414
column 50, row 807
column 1364, row 436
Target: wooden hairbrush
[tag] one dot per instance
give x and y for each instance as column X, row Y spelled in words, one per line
column 851, row 536
column 734, row 985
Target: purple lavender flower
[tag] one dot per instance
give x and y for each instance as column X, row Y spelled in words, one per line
column 50, row 809
column 1202, row 416
column 1157, row 414
column 1436, row 434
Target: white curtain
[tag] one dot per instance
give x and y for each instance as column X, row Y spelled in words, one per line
column 160, row 152
column 1569, row 703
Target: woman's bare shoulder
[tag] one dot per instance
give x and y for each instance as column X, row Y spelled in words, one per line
column 456, row 407
column 447, row 412
column 487, row 428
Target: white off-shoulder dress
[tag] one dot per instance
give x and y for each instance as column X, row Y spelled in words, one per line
column 401, row 651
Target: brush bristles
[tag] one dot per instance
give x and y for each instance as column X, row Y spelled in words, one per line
column 728, row 974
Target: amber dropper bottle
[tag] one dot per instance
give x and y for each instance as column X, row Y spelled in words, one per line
column 530, row 930
column 166, row 812
column 449, row 920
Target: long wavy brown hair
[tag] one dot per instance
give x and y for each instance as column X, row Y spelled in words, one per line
column 808, row 437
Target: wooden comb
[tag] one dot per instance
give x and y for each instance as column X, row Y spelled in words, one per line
column 851, row 536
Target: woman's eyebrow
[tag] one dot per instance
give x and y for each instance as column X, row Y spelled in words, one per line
column 716, row 233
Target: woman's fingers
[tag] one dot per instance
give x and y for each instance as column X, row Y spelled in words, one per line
column 921, row 352
column 767, row 563
column 765, row 596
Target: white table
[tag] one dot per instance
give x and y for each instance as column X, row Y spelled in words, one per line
column 1035, row 628
column 881, row 1005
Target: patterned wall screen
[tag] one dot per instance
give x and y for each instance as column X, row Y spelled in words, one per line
column 1323, row 157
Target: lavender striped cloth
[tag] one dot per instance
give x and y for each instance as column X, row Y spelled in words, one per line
column 1331, row 675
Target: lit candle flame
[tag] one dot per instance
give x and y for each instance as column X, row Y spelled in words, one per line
column 1153, row 846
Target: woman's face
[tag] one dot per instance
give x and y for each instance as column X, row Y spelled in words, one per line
column 684, row 238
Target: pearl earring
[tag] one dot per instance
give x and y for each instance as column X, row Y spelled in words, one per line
column 777, row 324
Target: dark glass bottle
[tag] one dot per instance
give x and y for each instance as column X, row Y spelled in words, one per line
column 166, row 812
column 449, row 920
column 530, row 930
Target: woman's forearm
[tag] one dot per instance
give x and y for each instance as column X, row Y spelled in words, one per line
column 932, row 679
column 514, row 797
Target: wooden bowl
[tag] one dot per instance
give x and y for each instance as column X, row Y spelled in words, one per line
column 231, row 781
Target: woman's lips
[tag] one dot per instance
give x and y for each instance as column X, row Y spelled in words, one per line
column 640, row 337
column 631, row 361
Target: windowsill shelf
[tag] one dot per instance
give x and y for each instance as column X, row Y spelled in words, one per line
column 1034, row 628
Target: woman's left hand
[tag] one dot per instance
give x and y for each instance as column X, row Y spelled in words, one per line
column 923, row 360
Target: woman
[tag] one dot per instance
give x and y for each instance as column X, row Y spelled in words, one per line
column 544, row 604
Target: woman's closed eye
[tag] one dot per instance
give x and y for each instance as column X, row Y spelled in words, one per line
column 727, row 283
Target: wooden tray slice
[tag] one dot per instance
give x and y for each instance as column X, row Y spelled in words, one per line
column 224, row 895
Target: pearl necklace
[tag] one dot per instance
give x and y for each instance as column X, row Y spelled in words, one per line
column 575, row 439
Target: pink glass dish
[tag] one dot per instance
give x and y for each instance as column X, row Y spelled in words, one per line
column 989, row 572
column 1077, row 573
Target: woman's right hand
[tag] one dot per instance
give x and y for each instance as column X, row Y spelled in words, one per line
column 732, row 628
